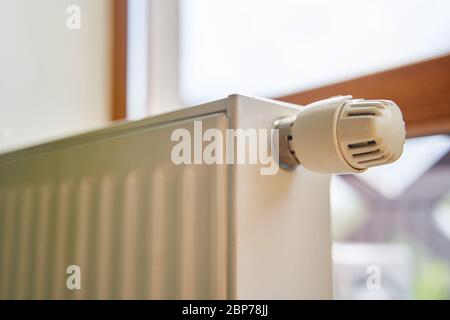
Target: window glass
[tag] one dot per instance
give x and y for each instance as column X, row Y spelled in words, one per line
column 273, row 47
column 391, row 226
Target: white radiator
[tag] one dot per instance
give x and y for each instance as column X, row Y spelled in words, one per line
column 139, row 226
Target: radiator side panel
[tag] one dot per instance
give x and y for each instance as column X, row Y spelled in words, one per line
column 137, row 225
column 283, row 236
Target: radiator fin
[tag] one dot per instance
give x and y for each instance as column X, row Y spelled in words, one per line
column 137, row 225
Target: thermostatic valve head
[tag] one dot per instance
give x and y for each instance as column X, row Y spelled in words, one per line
column 341, row 135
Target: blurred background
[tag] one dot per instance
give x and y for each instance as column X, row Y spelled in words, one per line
column 128, row 59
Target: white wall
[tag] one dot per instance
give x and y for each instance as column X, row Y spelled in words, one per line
column 53, row 81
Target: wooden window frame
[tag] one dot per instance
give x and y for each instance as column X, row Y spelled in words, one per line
column 119, row 59
column 422, row 90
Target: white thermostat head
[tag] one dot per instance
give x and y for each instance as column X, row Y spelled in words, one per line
column 341, row 134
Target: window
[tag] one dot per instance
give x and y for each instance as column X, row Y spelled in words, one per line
column 271, row 48
column 395, row 217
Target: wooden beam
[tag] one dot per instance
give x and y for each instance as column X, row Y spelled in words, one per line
column 119, row 59
column 422, row 90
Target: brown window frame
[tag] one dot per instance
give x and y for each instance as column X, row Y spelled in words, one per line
column 422, row 90
column 119, row 59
